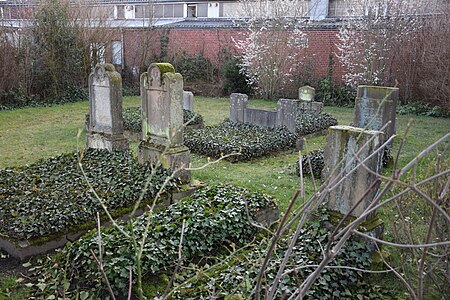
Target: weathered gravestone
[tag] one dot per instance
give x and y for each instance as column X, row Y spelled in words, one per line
column 238, row 105
column 188, row 101
column 375, row 107
column 306, row 95
column 343, row 142
column 105, row 126
column 162, row 120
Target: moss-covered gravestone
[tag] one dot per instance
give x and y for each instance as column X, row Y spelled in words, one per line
column 162, row 120
column 357, row 180
column 105, row 126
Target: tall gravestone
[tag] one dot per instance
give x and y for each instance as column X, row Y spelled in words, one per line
column 343, row 142
column 238, row 105
column 375, row 107
column 105, row 126
column 162, row 120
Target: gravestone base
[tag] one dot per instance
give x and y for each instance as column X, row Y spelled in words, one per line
column 173, row 158
column 310, row 106
column 372, row 226
column 108, row 142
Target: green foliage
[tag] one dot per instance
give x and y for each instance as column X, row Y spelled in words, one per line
column 307, row 122
column 422, row 109
column 213, row 217
column 250, row 140
column 312, row 161
column 193, row 66
column 12, row 289
column 330, row 93
column 57, row 51
column 51, row 195
column 235, row 276
column 234, row 80
column 132, row 118
column 18, row 99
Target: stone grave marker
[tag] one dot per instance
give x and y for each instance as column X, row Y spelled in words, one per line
column 105, row 126
column 375, row 106
column 342, row 143
column 238, row 105
column 162, row 119
column 306, row 93
column 188, row 101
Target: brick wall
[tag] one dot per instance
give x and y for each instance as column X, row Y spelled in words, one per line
column 141, row 46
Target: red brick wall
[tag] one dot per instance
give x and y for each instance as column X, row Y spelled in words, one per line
column 211, row 42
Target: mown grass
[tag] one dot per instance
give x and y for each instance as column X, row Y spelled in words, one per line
column 30, row 134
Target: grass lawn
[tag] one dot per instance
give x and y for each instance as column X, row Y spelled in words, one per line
column 32, row 133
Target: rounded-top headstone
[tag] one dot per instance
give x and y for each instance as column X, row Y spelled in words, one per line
column 306, row 93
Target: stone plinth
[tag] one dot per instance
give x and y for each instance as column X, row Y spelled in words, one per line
column 188, row 101
column 374, row 107
column 310, row 106
column 105, row 127
column 342, row 143
column 162, row 119
column 238, row 105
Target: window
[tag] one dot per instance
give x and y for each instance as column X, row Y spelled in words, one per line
column 116, row 52
column 129, row 12
column 192, row 11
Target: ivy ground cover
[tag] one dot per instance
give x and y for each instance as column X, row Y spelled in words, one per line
column 52, row 195
column 210, row 222
column 250, row 141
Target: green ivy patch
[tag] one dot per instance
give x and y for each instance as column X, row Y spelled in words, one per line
column 132, row 118
column 249, row 140
column 307, row 123
column 213, row 218
column 312, row 161
column 50, row 196
column 235, row 276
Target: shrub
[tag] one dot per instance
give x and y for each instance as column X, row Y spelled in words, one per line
column 315, row 158
column 132, row 118
column 422, row 109
column 213, row 217
column 250, row 140
column 333, row 94
column 51, row 195
column 194, row 66
column 234, row 80
column 307, row 123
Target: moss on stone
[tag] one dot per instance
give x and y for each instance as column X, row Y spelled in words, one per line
column 165, row 68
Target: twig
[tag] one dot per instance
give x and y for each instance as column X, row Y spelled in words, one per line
column 100, row 266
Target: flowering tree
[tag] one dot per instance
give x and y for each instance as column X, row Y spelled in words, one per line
column 272, row 47
column 368, row 44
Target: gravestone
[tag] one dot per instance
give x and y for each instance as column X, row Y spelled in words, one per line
column 105, row 126
column 238, row 105
column 342, row 143
column 376, row 106
column 306, row 93
column 162, row 120
column 306, row 96
column 188, row 101
column 287, row 110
